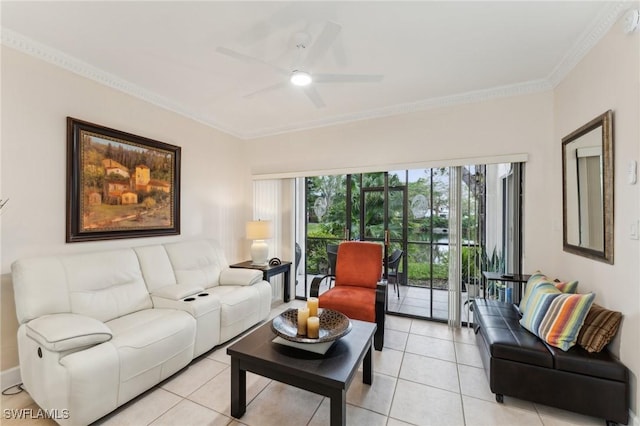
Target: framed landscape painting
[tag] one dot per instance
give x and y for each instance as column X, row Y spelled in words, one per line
column 120, row 185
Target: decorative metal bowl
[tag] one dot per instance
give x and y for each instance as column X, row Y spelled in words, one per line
column 333, row 325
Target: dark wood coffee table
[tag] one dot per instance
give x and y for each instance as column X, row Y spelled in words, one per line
column 329, row 374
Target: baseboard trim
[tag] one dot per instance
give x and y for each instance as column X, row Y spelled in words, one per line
column 10, row 377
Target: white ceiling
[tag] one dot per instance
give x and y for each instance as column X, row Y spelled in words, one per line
column 430, row 53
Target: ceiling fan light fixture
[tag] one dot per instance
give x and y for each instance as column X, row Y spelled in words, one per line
column 301, row 78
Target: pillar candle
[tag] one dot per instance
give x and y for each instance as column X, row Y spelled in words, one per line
column 313, row 327
column 303, row 315
column 312, row 304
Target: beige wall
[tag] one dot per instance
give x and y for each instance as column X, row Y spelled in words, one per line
column 607, row 78
column 36, row 99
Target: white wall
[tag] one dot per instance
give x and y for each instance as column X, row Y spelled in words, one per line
column 493, row 128
column 607, row 78
column 36, row 99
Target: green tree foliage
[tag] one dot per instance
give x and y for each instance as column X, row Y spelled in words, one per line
column 424, row 261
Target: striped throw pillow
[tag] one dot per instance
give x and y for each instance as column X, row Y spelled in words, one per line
column 600, row 326
column 564, row 319
column 538, row 307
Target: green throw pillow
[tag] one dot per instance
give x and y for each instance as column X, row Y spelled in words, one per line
column 539, row 283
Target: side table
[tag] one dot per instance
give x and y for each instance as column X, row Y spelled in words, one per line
column 269, row 271
column 519, row 279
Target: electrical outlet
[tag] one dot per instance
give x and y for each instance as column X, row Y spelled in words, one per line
column 634, row 231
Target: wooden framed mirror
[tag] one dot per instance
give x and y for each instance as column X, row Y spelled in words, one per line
column 587, row 189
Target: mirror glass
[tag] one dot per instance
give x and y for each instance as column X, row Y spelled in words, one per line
column 587, row 166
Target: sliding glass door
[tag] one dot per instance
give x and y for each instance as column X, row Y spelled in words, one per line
column 410, row 210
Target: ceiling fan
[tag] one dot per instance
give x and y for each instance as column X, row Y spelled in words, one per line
column 299, row 74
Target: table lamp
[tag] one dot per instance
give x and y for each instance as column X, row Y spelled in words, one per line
column 259, row 231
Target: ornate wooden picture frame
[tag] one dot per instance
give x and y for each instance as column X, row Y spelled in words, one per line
column 120, row 185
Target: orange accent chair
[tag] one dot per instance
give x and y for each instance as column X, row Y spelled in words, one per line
column 358, row 291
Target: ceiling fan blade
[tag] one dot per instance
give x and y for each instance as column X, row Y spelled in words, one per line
column 347, row 78
column 266, row 89
column 314, row 96
column 249, row 59
column 322, row 43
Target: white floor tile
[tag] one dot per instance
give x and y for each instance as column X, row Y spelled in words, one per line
column 356, row 416
column 464, row 335
column 431, row 347
column 396, row 422
column 375, row 397
column 430, row 371
column 188, row 413
column 279, row 404
column 397, row 323
column 143, row 410
column 432, row 329
column 473, row 382
column 196, row 375
column 468, row 354
column 556, row 417
column 216, row 393
column 425, row 405
column 478, row 412
column 387, row 361
column 395, row 339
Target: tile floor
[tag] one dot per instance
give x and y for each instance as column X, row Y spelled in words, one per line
column 427, row 374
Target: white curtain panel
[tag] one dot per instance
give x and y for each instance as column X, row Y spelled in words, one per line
column 455, row 246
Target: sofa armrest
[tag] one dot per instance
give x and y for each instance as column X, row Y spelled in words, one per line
column 63, row 332
column 240, row 276
column 176, row 292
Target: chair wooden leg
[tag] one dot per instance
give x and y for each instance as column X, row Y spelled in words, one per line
column 378, row 339
column 381, row 307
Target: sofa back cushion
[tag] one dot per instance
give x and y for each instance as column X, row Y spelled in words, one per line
column 106, row 285
column 197, row 263
column 156, row 267
column 101, row 285
column 40, row 287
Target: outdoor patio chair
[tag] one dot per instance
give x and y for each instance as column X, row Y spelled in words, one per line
column 332, row 256
column 393, row 263
column 358, row 291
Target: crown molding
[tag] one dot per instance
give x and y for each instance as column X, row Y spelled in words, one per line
column 590, row 37
column 600, row 25
column 56, row 57
column 427, row 104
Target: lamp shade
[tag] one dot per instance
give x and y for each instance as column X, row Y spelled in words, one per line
column 259, row 230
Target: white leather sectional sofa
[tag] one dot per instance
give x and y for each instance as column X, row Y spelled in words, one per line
column 98, row 329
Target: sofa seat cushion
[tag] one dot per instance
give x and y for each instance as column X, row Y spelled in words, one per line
column 237, row 303
column 148, row 338
column 355, row 302
column 499, row 324
column 596, row 364
column 518, row 345
column 493, row 308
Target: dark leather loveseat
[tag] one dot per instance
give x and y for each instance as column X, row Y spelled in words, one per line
column 519, row 364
